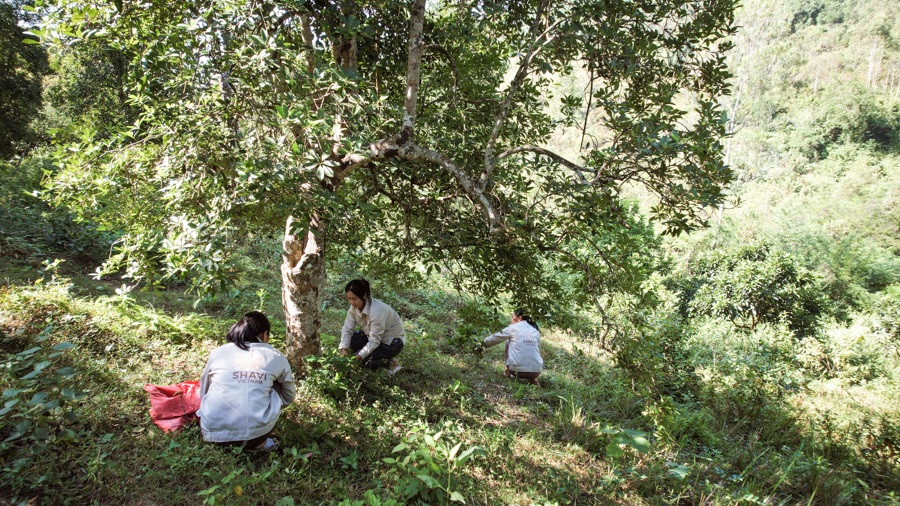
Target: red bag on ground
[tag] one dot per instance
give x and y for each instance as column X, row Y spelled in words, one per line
column 174, row 406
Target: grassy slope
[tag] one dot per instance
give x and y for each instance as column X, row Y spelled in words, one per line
column 540, row 445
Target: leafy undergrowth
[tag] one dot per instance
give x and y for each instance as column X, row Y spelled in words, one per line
column 448, row 429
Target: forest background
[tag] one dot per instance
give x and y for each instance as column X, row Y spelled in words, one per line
column 754, row 361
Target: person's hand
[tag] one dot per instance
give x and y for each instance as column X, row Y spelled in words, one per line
column 357, row 358
column 478, row 350
column 344, row 352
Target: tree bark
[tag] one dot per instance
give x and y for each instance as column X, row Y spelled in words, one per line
column 302, row 277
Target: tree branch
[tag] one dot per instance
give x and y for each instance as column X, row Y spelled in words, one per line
column 413, row 69
column 412, row 151
column 541, row 151
column 521, row 73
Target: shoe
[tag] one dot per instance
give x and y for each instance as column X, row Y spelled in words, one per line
column 269, row 446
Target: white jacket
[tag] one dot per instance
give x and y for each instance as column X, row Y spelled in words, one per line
column 238, row 398
column 524, row 347
column 378, row 320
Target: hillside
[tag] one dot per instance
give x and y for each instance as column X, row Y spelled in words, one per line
column 758, row 360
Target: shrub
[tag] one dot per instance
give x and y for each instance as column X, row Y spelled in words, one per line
column 750, row 285
column 432, row 470
column 476, row 321
column 330, row 374
column 887, row 321
column 29, row 226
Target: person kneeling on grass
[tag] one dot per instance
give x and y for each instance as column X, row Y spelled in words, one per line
column 523, row 347
column 381, row 337
column 244, row 386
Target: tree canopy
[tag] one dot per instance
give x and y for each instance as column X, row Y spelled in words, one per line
column 416, row 131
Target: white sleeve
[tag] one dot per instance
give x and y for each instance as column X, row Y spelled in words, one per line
column 288, row 387
column 497, row 338
column 204, row 380
column 347, row 330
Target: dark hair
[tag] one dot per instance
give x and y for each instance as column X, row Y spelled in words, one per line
column 359, row 287
column 245, row 331
column 521, row 314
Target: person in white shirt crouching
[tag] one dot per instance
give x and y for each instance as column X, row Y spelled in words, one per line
column 523, row 347
column 244, row 386
column 381, row 335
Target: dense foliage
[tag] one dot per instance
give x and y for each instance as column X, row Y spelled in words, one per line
column 751, row 285
column 424, row 153
column 23, row 63
column 32, row 228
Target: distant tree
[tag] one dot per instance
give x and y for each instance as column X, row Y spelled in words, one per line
column 22, row 66
column 750, row 285
column 415, row 133
column 86, row 88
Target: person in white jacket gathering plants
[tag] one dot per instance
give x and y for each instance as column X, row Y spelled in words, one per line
column 380, row 336
column 523, row 347
column 244, row 386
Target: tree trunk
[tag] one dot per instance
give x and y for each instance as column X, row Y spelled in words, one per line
column 302, row 276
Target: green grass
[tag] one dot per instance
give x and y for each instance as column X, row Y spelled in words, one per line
column 726, row 436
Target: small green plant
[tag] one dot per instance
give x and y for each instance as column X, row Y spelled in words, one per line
column 369, row 499
column 622, row 438
column 560, row 487
column 574, row 424
column 432, row 470
column 350, row 461
column 36, row 402
column 458, row 388
column 217, row 493
column 330, row 374
column 570, row 421
column 261, row 295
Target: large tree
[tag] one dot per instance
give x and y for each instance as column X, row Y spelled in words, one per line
column 419, row 130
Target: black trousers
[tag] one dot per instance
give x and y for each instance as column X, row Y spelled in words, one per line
column 250, row 444
column 381, row 356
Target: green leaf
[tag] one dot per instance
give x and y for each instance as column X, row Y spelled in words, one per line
column 613, row 451
column 454, row 450
column 63, row 346
column 457, row 497
column 465, row 454
column 71, row 394
column 428, row 480
column 38, row 398
column 640, row 444
column 66, row 372
column 208, row 491
column 679, row 471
